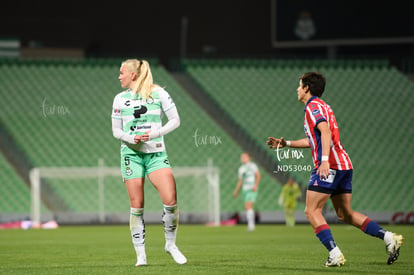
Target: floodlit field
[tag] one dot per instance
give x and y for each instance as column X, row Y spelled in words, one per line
column 271, row 249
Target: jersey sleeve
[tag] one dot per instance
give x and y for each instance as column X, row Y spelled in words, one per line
column 166, row 101
column 316, row 114
column 240, row 172
column 116, row 109
column 254, row 167
column 117, row 125
column 171, row 112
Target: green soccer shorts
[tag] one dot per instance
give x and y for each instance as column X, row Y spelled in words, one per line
column 137, row 164
column 249, row 196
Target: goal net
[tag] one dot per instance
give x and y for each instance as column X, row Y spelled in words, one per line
column 88, row 195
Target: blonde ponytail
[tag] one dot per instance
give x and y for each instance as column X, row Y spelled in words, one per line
column 144, row 83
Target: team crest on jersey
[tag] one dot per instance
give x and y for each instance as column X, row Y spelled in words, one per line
column 128, row 171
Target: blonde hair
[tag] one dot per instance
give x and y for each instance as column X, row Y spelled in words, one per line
column 144, row 83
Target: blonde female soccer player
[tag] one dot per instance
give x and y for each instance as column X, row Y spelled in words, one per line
column 136, row 122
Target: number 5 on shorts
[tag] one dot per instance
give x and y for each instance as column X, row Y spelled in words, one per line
column 126, row 159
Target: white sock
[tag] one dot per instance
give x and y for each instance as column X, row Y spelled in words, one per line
column 335, row 252
column 250, row 218
column 170, row 219
column 137, row 227
column 388, row 237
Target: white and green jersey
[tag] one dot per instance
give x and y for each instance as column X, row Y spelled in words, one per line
column 247, row 173
column 131, row 115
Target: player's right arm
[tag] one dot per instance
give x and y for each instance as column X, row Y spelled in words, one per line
column 117, row 125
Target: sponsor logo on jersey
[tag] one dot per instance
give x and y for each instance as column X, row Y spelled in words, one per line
column 135, row 128
column 139, row 110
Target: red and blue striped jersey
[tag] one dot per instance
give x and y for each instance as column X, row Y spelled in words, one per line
column 317, row 111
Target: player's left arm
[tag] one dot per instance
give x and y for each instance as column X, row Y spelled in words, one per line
column 170, row 110
column 323, row 170
column 256, row 184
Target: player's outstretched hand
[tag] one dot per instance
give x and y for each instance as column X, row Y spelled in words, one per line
column 275, row 142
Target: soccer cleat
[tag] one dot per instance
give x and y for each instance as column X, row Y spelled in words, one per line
column 141, row 259
column 178, row 257
column 393, row 248
column 335, row 261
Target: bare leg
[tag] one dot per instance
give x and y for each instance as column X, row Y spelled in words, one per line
column 163, row 180
column 342, row 205
column 135, row 189
column 314, row 204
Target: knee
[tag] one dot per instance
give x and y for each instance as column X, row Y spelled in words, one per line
column 312, row 213
column 170, row 201
column 344, row 216
column 307, row 213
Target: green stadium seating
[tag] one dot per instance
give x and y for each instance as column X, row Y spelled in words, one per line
column 15, row 194
column 371, row 101
column 59, row 114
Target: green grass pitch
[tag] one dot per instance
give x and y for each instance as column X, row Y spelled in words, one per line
column 271, row 249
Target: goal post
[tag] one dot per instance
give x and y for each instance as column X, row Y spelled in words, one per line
column 95, row 195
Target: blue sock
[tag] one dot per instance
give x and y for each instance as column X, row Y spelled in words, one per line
column 373, row 229
column 324, row 235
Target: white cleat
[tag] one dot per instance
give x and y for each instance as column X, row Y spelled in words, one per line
column 393, row 248
column 178, row 257
column 335, row 261
column 141, row 259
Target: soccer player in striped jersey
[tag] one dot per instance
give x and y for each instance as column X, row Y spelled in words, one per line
column 332, row 175
column 137, row 122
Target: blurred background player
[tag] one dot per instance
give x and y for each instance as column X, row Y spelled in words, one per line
column 288, row 198
column 249, row 178
column 136, row 121
column 332, row 174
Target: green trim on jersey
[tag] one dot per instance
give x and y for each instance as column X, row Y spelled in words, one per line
column 130, row 95
column 142, row 116
column 131, row 111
